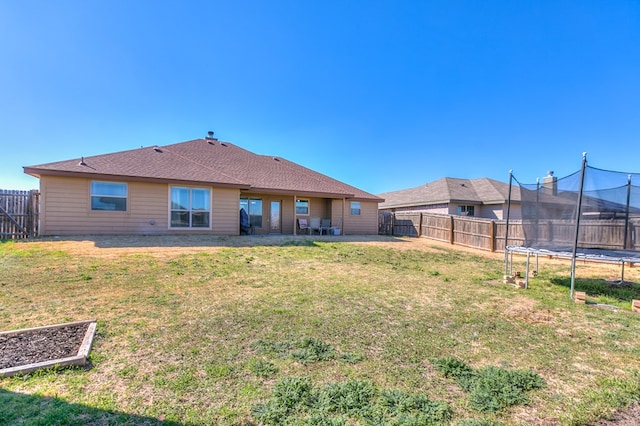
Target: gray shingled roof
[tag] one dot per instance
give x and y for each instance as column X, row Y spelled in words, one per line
column 451, row 190
column 205, row 161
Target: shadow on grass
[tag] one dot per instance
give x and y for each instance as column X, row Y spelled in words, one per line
column 196, row 241
column 17, row 408
column 623, row 292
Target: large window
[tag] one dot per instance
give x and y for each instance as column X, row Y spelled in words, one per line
column 355, row 208
column 302, row 206
column 253, row 207
column 109, row 196
column 466, row 211
column 190, row 207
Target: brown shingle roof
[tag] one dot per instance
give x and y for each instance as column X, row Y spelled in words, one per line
column 447, row 190
column 205, row 161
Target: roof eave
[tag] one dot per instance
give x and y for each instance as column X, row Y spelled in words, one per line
column 44, row 172
column 301, row 193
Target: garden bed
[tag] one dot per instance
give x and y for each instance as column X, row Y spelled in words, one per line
column 27, row 350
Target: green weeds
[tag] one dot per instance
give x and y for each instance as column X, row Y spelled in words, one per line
column 305, row 350
column 491, row 388
column 316, row 333
column 297, row 401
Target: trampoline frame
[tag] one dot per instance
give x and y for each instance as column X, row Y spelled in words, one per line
column 595, row 255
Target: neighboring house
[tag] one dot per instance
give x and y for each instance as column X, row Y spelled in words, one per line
column 194, row 187
column 483, row 197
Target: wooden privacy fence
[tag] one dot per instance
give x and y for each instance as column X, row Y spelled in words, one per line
column 488, row 234
column 485, row 234
column 19, row 214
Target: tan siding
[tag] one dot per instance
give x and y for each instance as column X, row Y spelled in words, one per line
column 64, row 204
column 318, row 208
column 66, row 210
column 338, row 213
column 226, row 211
column 364, row 224
column 288, row 214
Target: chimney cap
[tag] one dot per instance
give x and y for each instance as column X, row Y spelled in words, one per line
column 550, row 173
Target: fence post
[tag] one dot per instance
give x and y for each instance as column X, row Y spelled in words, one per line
column 420, row 226
column 451, row 239
column 492, row 236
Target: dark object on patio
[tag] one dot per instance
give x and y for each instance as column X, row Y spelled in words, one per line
column 245, row 228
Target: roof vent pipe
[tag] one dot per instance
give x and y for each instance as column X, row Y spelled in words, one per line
column 210, row 136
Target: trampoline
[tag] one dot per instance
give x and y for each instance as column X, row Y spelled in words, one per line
column 592, row 214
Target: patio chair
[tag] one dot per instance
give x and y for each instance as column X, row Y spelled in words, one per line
column 335, row 228
column 303, row 225
column 314, row 225
column 325, row 224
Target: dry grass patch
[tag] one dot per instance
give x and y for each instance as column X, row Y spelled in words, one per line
column 179, row 318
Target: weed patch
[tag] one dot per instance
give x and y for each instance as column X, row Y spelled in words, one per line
column 305, row 350
column 296, row 401
column 491, row 388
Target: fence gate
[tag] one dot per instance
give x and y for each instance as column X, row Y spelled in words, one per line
column 19, row 214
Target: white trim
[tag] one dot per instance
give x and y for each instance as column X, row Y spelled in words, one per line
column 190, row 211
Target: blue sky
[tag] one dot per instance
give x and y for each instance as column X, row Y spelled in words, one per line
column 383, row 95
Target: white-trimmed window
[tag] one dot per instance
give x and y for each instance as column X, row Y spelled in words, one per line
column 355, row 208
column 253, row 207
column 302, row 206
column 110, row 196
column 190, row 207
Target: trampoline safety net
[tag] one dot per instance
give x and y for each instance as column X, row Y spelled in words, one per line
column 603, row 205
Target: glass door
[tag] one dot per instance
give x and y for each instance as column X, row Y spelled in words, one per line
column 275, row 217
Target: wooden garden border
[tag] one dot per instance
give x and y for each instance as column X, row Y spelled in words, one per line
column 79, row 359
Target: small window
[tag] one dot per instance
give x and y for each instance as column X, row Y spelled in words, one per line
column 190, row 207
column 253, row 207
column 302, row 206
column 111, row 196
column 466, row 211
column 355, row 208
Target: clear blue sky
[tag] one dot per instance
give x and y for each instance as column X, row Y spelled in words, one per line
column 383, row 95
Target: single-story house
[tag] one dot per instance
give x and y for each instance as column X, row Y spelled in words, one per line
column 199, row 186
column 483, row 197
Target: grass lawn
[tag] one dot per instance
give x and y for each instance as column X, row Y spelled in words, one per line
column 316, row 331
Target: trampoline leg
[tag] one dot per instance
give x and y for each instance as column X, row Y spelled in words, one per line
column 622, row 277
column 511, row 265
column 526, row 274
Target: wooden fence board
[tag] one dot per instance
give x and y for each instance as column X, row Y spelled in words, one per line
column 19, row 214
column 487, row 234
